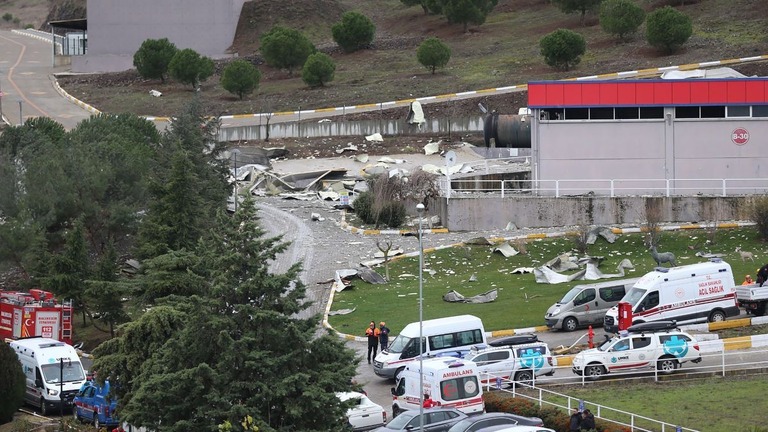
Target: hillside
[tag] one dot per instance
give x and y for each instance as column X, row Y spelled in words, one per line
column 503, row 51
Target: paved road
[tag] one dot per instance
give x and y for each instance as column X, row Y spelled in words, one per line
column 26, row 76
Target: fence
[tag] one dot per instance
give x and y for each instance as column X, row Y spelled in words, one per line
column 719, row 358
column 606, row 187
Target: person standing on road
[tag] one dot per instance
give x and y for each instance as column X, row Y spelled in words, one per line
column 373, row 340
column 383, row 335
column 588, row 421
column 575, row 421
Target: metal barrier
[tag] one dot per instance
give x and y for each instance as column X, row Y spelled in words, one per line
column 603, row 187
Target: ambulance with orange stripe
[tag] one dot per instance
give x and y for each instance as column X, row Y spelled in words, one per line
column 449, row 382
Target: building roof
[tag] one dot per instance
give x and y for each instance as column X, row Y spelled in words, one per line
column 607, row 93
column 72, row 24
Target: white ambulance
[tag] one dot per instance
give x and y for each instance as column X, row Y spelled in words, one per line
column 451, row 337
column 449, row 382
column 686, row 294
column 53, row 371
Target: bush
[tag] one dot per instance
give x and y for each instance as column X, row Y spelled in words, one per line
column 382, row 203
column 7, row 17
column 668, row 29
column 562, row 49
column 14, row 383
column 354, row 32
column 759, row 215
column 621, row 17
column 432, row 53
column 240, row 78
column 363, row 205
column 285, row 48
column 392, row 214
column 318, row 70
column 153, row 57
column 189, row 67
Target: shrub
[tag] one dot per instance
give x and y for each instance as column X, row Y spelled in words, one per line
column 354, row 32
column 433, row 53
column 14, row 383
column 153, row 57
column 318, row 70
column 562, row 49
column 668, row 29
column 392, row 214
column 759, row 215
column 621, row 17
column 240, row 78
column 363, row 205
column 7, row 17
column 285, row 48
column 189, row 67
column 581, row 6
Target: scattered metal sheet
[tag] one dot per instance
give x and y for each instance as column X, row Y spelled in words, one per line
column 306, row 180
column 454, row 296
column 389, row 160
column 603, row 232
column 301, row 196
column 478, row 241
column 374, row 137
column 340, row 280
column 546, row 275
column 372, row 263
column 432, row 148
column 276, row 152
column 329, row 195
column 342, row 312
column 350, row 147
column 561, row 263
column 393, row 252
column 506, row 249
column 369, row 275
column 522, row 270
column 362, row 158
column 594, row 273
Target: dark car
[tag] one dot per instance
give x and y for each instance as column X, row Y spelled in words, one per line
column 436, row 420
column 475, row 423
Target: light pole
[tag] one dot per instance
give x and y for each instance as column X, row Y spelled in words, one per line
column 235, row 152
column 1, row 100
column 21, row 121
column 420, row 211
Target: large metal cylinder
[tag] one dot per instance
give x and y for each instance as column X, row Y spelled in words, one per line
column 507, row 130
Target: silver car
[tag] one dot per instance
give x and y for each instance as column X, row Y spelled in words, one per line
column 435, row 420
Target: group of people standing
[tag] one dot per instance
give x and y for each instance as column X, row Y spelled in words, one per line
column 582, row 421
column 376, row 337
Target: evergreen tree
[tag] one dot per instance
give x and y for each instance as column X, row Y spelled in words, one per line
column 318, row 70
column 240, row 78
column 562, row 49
column 285, row 48
column 581, row 6
column 14, row 383
column 354, row 32
column 153, row 57
column 433, row 53
column 70, row 269
column 467, row 11
column 621, row 17
column 189, row 67
column 106, row 291
column 668, row 29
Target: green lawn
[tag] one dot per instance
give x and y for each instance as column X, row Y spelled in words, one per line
column 521, row 302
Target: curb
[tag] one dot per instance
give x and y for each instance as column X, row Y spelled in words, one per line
column 355, row 230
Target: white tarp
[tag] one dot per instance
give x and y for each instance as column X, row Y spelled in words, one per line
column 723, row 72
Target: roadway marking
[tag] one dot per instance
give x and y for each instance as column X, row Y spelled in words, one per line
column 13, row 83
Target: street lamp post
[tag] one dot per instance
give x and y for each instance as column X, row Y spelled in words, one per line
column 420, row 211
column 21, row 121
column 235, row 152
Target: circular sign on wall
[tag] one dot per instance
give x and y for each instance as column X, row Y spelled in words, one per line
column 740, row 136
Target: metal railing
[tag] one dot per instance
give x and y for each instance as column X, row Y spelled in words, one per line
column 604, row 187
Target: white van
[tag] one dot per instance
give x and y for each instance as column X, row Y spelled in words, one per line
column 449, row 382
column 53, row 371
column 451, row 336
column 687, row 294
column 586, row 304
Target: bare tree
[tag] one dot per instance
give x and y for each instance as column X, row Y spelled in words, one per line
column 711, row 214
column 579, row 238
column 385, row 247
column 652, row 224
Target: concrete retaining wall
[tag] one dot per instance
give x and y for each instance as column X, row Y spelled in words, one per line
column 489, row 213
column 347, row 128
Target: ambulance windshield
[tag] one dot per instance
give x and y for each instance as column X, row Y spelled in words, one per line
column 72, row 371
column 634, row 296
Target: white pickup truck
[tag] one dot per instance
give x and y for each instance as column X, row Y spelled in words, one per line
column 753, row 298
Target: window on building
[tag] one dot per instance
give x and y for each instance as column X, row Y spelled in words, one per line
column 577, row 114
column 713, row 112
column 551, row 114
column 651, row 112
column 627, row 113
column 601, row 113
column 760, row 111
column 737, row 111
column 686, row 112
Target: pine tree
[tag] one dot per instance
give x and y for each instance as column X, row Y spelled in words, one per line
column 14, row 383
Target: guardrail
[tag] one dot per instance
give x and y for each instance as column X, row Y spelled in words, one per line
column 719, row 358
column 605, row 187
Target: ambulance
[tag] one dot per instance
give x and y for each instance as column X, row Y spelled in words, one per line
column 449, row 382
column 53, row 373
column 686, row 294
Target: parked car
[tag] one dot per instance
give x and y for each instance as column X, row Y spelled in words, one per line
column 518, row 362
column 364, row 413
column 650, row 345
column 435, row 420
column 93, row 404
column 517, row 428
column 478, row 422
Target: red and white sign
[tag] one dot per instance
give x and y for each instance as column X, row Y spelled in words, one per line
column 740, row 136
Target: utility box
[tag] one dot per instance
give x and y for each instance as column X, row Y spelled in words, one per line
column 625, row 315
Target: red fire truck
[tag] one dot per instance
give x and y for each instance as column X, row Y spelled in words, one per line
column 34, row 313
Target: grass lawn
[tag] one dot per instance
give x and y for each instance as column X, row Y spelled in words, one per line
column 521, row 302
column 712, row 405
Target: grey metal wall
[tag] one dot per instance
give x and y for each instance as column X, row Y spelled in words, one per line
column 494, row 213
column 116, row 29
column 648, row 149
